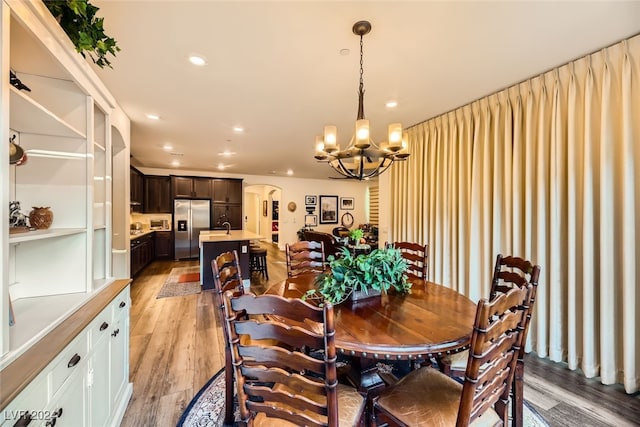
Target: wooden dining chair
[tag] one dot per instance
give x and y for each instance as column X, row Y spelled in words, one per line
column 427, row 397
column 226, row 277
column 305, row 256
column 509, row 272
column 416, row 257
column 277, row 383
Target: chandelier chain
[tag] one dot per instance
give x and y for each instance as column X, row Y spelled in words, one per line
column 361, row 66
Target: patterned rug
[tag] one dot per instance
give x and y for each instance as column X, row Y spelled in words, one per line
column 206, row 409
column 181, row 281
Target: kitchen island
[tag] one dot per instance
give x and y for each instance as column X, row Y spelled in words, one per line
column 215, row 242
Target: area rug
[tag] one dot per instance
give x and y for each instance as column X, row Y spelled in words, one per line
column 206, row 409
column 181, row 281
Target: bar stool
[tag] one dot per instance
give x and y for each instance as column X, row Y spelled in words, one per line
column 258, row 261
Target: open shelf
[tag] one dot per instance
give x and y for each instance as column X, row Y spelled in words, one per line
column 30, row 117
column 35, row 317
column 43, row 234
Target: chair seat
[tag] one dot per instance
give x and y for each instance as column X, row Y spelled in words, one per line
column 350, row 408
column 430, row 398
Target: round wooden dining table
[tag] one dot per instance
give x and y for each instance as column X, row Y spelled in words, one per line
column 429, row 321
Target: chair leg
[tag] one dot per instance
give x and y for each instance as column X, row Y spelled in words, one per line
column 517, row 399
column 229, row 384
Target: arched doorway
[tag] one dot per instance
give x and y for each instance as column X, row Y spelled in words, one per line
column 261, row 210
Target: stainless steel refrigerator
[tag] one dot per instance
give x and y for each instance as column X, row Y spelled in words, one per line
column 189, row 218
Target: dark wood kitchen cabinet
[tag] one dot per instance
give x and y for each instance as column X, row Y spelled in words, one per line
column 142, row 253
column 163, row 244
column 157, row 194
column 184, row 187
column 227, row 191
column 136, row 182
column 230, row 213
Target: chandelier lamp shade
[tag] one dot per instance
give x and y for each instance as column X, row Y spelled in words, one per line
column 362, row 159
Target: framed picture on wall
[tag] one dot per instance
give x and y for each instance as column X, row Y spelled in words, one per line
column 310, row 200
column 346, row 203
column 328, row 209
column 311, row 220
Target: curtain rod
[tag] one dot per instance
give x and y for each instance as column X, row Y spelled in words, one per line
column 526, row 79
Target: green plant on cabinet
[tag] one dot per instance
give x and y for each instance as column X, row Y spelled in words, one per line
column 78, row 19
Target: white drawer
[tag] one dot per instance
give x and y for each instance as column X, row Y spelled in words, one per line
column 31, row 402
column 72, row 358
column 121, row 303
column 101, row 326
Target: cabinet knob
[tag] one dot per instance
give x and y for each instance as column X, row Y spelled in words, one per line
column 122, row 304
column 115, row 333
column 104, row 326
column 74, row 361
column 24, row 420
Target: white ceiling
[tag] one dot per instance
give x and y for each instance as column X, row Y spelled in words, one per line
column 275, row 68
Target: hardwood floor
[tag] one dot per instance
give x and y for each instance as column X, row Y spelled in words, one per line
column 176, row 347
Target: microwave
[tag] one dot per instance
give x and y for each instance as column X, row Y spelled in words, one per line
column 159, row 224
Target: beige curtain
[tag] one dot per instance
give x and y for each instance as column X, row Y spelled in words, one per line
column 548, row 170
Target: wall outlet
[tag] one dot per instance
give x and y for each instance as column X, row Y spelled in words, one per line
column 244, row 249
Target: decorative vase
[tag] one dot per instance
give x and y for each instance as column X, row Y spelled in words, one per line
column 41, row 218
column 362, row 295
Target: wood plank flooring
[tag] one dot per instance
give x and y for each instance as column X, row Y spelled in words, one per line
column 176, row 347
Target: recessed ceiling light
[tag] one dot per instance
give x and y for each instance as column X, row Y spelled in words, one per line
column 175, row 163
column 391, row 104
column 238, row 129
column 197, row 60
column 345, row 52
column 227, row 153
column 152, row 116
column 221, row 167
column 167, row 147
column 290, row 172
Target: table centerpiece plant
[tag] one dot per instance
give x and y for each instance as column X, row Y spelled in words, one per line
column 373, row 273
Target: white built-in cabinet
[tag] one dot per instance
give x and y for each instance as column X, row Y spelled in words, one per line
column 87, row 383
column 64, row 124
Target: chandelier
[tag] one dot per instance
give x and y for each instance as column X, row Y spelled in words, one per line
column 362, row 159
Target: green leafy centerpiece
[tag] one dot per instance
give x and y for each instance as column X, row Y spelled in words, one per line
column 370, row 274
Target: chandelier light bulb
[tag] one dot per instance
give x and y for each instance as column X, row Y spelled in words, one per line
column 395, row 136
column 362, row 133
column 330, row 138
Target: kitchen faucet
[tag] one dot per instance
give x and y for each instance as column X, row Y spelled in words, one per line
column 227, row 225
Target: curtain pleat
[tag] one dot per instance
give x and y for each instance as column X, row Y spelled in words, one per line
column 547, row 170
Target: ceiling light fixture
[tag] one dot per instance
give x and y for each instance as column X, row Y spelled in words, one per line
column 238, row 129
column 197, row 60
column 151, row 116
column 362, row 159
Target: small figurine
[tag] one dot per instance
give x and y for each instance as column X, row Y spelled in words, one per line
column 16, row 218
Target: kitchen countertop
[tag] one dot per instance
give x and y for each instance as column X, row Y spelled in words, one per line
column 144, row 233
column 222, row 236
